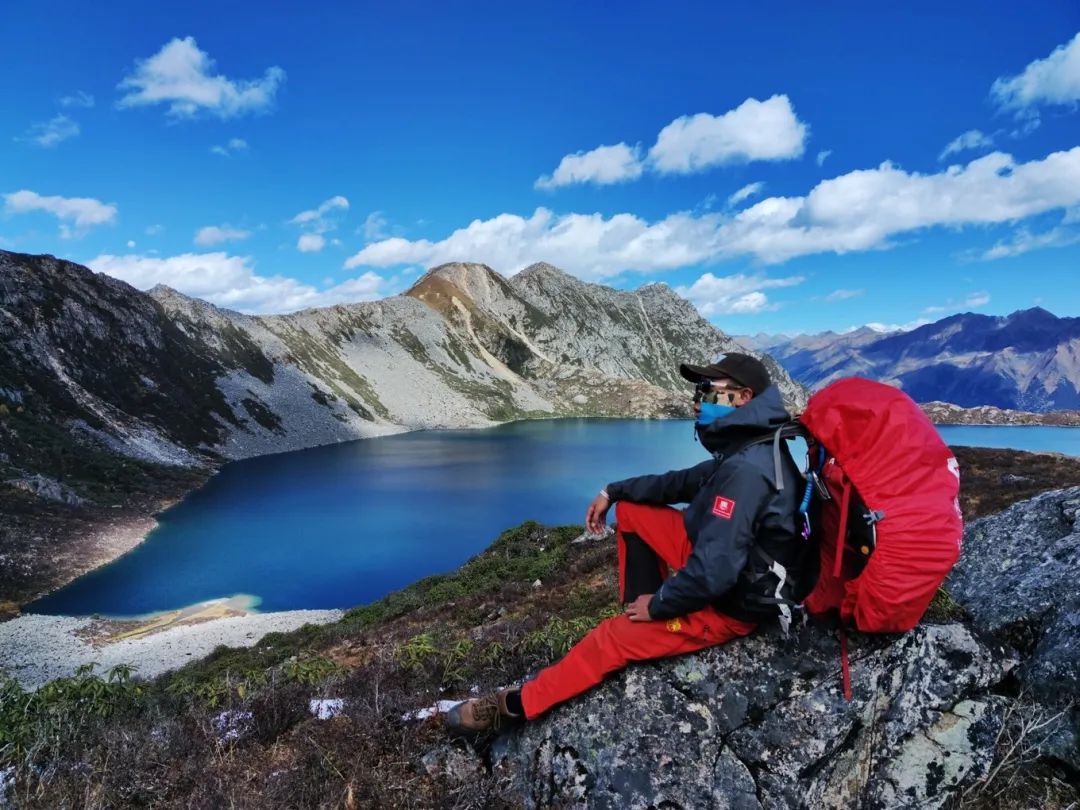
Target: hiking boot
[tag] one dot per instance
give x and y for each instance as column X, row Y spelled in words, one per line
column 479, row 715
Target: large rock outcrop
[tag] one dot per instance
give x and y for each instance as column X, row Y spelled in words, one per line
column 1018, row 578
column 762, row 722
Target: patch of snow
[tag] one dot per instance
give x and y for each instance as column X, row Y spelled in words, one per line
column 232, row 725
column 326, row 708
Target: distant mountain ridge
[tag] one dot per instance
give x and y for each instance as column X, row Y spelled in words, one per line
column 1027, row 361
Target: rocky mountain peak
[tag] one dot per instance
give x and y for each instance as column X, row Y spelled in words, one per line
column 543, row 269
column 463, row 274
column 658, row 291
column 464, row 280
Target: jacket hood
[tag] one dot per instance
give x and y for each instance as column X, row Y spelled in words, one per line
column 764, row 413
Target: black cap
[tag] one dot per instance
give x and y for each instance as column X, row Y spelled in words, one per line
column 747, row 371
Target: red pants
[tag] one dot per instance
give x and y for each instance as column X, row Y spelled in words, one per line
column 617, row 641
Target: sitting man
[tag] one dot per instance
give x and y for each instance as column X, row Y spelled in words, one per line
column 736, row 552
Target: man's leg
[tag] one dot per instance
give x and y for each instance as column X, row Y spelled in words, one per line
column 640, row 570
column 617, row 641
column 649, row 539
column 661, row 527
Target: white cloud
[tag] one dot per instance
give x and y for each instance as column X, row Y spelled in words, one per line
column 972, row 301
column 972, row 139
column 603, row 165
column 588, row 245
column 216, row 234
column 231, row 281
column 822, row 156
column 310, row 243
column 733, row 295
column 858, row 211
column 844, row 295
column 1053, row 80
column 1024, row 241
column 130, row 244
column 755, row 130
column 374, row 227
column 79, row 98
column 182, row 77
column 892, row 327
column 745, row 192
column 154, row 230
column 49, row 133
column 320, row 219
column 82, row 212
column 231, row 148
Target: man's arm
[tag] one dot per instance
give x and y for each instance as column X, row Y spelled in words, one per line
column 721, row 547
column 677, row 486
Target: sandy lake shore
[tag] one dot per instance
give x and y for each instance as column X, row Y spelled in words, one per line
column 34, row 649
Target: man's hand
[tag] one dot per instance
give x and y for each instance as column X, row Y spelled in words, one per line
column 638, row 610
column 596, row 516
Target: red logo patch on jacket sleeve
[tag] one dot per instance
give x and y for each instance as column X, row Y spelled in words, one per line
column 723, row 507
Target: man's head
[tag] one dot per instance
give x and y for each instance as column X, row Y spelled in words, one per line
column 734, row 379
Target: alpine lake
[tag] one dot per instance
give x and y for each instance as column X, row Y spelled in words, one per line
column 345, row 524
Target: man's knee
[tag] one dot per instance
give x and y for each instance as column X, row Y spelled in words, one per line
column 627, row 512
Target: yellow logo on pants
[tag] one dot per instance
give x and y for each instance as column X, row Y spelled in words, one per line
column 674, row 625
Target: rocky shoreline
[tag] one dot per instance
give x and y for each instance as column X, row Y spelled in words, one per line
column 945, row 413
column 45, row 544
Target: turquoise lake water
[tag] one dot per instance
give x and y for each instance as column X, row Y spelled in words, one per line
column 338, row 526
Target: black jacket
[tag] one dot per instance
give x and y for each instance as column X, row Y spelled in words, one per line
column 735, row 505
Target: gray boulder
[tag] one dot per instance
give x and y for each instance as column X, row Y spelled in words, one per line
column 1017, row 578
column 762, row 722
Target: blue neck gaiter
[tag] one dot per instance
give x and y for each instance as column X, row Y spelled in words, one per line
column 710, row 412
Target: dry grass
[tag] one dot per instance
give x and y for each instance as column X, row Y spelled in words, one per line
column 1020, row 778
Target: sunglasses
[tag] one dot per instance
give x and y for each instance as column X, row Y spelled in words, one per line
column 709, row 391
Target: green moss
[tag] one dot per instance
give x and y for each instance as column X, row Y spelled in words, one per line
column 944, row 609
column 240, row 351
column 262, row 414
column 411, row 343
column 457, row 351
column 322, row 361
column 244, row 662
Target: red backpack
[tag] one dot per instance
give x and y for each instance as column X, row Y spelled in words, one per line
column 886, row 515
column 890, row 525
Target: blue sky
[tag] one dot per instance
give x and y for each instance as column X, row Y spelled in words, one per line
column 803, row 168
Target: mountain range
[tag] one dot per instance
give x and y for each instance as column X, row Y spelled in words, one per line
column 162, row 377
column 1027, row 361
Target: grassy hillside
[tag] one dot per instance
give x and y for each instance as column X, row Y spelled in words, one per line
column 105, row 740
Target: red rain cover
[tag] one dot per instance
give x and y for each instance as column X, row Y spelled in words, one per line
column 899, row 465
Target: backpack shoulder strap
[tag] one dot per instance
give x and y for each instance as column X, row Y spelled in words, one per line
column 788, row 430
